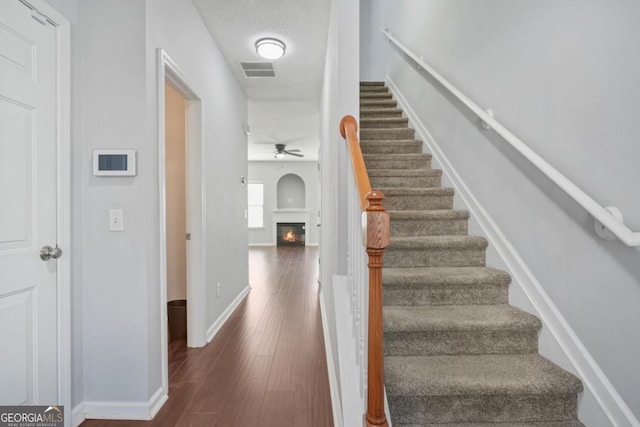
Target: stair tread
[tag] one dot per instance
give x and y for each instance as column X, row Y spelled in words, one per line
column 567, row 423
column 378, row 102
column 380, row 111
column 457, row 317
column 372, row 83
column 404, row 172
column 394, row 128
column 387, row 120
column 431, row 191
column 390, row 141
column 399, row 156
column 370, row 89
column 477, row 374
column 375, row 95
column 416, row 277
column 428, row 214
column 432, row 242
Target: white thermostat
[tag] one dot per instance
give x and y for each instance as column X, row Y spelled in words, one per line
column 114, row 162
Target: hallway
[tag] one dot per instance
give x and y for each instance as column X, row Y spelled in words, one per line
column 266, row 366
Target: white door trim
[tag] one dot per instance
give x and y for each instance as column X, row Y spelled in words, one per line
column 63, row 200
column 169, row 71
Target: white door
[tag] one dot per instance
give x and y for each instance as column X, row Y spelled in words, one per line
column 28, row 294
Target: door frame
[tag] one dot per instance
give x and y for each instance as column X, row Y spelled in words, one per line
column 168, row 71
column 63, row 197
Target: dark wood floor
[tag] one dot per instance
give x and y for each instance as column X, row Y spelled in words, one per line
column 266, row 366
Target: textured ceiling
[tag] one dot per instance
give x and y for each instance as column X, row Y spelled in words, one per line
column 301, row 24
column 295, row 124
column 283, row 109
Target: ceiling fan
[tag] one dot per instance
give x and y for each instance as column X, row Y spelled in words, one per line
column 281, row 151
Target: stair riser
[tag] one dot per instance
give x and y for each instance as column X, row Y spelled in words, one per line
column 517, row 341
column 373, row 89
column 390, row 148
column 415, row 162
column 374, row 95
column 433, row 227
column 371, row 83
column 378, row 103
column 437, row 257
column 378, row 134
column 381, row 113
column 397, row 203
column 448, row 295
column 496, row 408
column 405, row 181
column 385, row 123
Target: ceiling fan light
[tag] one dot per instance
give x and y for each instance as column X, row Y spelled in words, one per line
column 279, row 156
column 270, row 48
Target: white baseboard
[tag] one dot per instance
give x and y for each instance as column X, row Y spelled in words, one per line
column 336, row 404
column 157, row 400
column 215, row 327
column 594, row 380
column 121, row 410
column 77, row 415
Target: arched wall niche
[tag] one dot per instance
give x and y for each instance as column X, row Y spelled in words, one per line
column 291, row 192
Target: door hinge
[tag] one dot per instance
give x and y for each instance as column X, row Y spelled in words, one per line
column 39, row 16
column 188, row 236
column 36, row 14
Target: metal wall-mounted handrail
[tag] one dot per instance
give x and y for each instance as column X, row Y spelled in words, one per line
column 608, row 218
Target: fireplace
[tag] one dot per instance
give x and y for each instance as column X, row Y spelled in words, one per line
column 290, row 233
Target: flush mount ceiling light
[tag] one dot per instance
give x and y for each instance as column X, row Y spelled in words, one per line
column 270, row 48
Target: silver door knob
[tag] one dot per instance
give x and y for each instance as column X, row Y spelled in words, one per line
column 47, row 252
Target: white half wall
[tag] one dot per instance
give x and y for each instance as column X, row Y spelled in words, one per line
column 340, row 96
column 562, row 77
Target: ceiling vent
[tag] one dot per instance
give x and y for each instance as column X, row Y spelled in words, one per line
column 258, row 69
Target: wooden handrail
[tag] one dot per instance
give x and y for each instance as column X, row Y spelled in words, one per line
column 377, row 239
column 349, row 131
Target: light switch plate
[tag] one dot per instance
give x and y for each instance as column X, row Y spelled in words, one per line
column 116, row 220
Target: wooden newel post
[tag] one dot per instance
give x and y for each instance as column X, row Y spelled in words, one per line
column 377, row 241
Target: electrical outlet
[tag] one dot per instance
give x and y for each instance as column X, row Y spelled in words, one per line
column 218, row 290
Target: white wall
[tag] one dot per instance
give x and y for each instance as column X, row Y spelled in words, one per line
column 115, row 265
column 176, row 27
column 269, row 173
column 115, row 284
column 563, row 77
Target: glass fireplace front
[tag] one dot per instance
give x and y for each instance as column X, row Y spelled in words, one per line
column 290, row 233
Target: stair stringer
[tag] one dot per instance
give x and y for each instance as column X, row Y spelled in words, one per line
column 600, row 404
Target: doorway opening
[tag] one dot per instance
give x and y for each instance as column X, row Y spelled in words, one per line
column 181, row 208
column 176, row 209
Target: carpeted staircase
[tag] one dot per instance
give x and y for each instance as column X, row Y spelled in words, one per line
column 456, row 354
